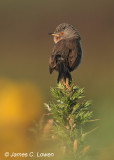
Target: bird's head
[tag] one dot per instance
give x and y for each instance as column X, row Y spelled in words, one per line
column 65, row 31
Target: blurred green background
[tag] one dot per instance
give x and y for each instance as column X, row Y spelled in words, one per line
column 25, row 48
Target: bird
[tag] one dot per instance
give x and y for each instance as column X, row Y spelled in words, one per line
column 67, row 52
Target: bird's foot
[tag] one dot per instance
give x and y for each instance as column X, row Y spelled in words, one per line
column 66, row 83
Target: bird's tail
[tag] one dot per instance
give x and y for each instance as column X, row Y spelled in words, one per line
column 64, row 73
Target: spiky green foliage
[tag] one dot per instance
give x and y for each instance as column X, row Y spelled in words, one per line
column 70, row 112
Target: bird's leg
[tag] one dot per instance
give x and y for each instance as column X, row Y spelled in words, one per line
column 63, row 81
column 67, row 83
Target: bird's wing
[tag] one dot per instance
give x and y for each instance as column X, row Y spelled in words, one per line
column 67, row 50
column 58, row 54
column 75, row 52
column 52, row 63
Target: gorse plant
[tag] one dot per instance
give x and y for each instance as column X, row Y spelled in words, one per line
column 70, row 113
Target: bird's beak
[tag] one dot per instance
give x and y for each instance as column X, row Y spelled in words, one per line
column 54, row 34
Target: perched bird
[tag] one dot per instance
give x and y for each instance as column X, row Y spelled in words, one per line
column 67, row 52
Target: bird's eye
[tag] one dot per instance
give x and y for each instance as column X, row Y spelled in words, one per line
column 62, row 33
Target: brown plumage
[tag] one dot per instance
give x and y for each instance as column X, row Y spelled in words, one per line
column 67, row 52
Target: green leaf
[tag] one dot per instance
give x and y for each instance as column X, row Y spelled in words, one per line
column 75, row 107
